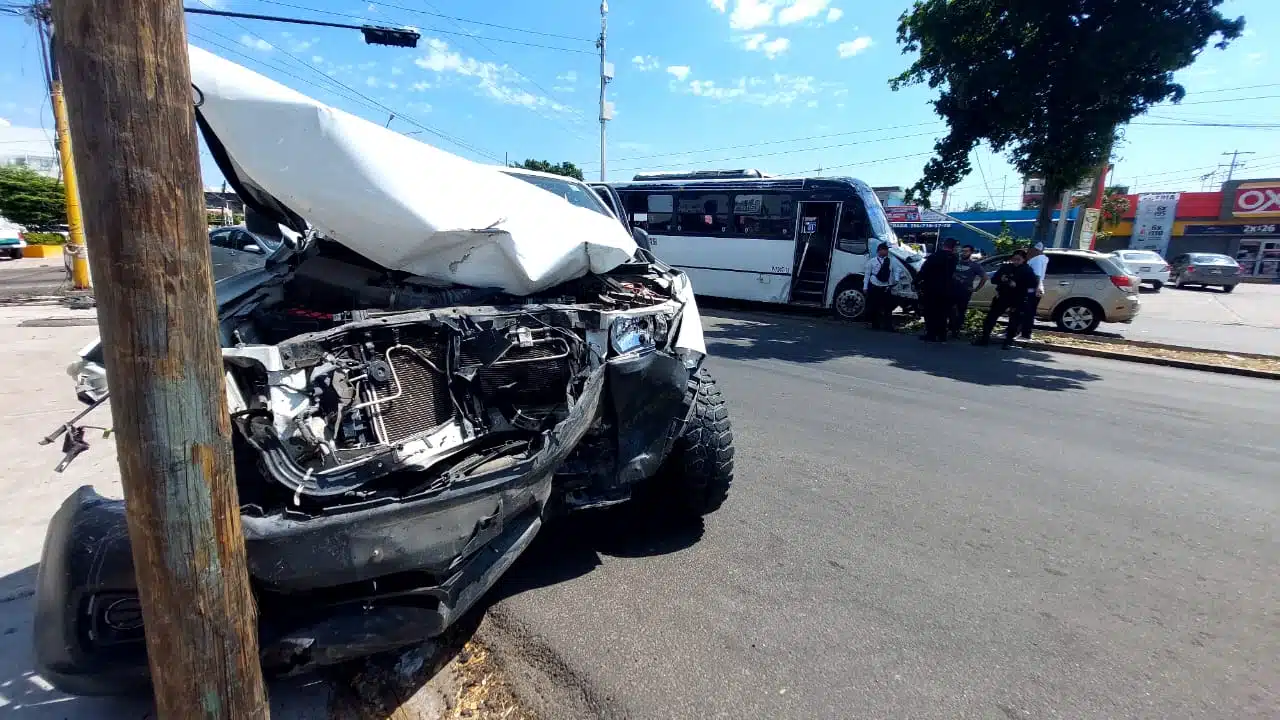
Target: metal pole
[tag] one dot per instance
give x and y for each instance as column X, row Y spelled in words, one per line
column 1231, row 171
column 77, row 247
column 129, row 89
column 1060, row 231
column 604, row 80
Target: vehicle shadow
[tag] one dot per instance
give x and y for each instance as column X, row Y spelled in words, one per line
column 806, row 337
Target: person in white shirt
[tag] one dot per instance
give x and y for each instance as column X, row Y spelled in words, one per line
column 881, row 275
column 1039, row 262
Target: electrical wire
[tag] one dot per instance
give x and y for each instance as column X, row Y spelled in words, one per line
column 407, row 118
column 772, row 154
column 757, row 144
column 547, row 93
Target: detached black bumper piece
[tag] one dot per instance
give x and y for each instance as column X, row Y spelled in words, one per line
column 330, row 588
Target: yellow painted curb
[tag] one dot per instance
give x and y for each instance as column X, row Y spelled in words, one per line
column 42, row 251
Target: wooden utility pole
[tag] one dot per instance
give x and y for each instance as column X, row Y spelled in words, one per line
column 128, row 90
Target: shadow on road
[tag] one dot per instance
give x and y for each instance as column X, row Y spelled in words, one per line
column 572, row 546
column 807, row 337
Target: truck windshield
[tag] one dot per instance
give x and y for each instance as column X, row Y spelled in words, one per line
column 576, row 193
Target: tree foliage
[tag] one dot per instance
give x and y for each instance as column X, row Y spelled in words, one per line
column 566, row 168
column 1114, row 205
column 1048, row 82
column 31, row 199
column 979, row 206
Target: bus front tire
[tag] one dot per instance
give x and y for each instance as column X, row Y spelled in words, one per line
column 850, row 303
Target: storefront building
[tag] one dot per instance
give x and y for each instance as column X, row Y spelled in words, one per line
column 917, row 226
column 1241, row 221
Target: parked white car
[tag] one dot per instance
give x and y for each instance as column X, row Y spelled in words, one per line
column 1146, row 265
column 12, row 239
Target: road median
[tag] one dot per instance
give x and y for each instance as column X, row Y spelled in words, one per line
column 1190, row 358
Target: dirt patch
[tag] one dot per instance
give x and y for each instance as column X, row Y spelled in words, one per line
column 431, row 682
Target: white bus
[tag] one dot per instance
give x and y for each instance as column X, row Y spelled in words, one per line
column 798, row 241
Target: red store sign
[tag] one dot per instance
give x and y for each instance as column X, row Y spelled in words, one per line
column 1256, row 199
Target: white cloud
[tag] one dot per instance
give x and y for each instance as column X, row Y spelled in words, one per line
column 392, row 86
column 397, row 71
column 316, row 59
column 568, row 77
column 495, row 81
column 371, row 81
column 256, row 43
column 680, row 72
column 299, row 46
column 801, row 10
column 854, row 46
column 812, row 104
column 420, row 86
column 5, row 123
column 630, row 146
column 834, row 14
column 1248, row 32
column 760, row 42
column 718, row 4
column 751, row 14
column 783, row 90
column 1255, row 58
column 775, row 47
column 645, row 63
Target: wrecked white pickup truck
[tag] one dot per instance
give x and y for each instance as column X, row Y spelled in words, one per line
column 439, row 357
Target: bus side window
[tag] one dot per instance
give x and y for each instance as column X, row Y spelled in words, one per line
column 855, row 228
column 764, row 215
column 658, row 211
column 703, row 214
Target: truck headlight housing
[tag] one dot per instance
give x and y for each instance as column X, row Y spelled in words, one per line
column 638, row 333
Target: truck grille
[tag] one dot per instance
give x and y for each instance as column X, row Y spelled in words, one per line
column 526, row 376
column 424, row 402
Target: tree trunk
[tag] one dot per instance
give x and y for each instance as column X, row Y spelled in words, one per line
column 1044, row 219
column 128, row 90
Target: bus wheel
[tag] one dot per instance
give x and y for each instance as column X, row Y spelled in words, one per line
column 850, row 303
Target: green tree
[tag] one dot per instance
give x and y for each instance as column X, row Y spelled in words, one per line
column 1048, row 82
column 31, row 199
column 979, row 206
column 566, row 168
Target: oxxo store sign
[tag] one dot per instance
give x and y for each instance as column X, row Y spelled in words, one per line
column 1247, row 199
column 1254, row 208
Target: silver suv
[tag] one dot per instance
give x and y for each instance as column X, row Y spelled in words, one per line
column 1081, row 290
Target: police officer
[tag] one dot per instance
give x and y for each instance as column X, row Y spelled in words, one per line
column 936, row 279
column 1015, row 282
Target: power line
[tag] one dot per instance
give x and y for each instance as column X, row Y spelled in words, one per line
column 446, row 32
column 427, row 128
column 769, row 142
column 1224, row 100
column 519, row 74
column 772, row 154
column 860, row 163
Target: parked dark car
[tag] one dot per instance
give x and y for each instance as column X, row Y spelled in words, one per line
column 1205, row 270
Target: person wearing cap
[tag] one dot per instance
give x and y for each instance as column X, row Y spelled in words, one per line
column 969, row 278
column 1039, row 263
column 881, row 275
column 936, row 280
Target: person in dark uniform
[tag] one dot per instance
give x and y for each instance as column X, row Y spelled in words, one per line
column 936, row 281
column 970, row 277
column 1015, row 281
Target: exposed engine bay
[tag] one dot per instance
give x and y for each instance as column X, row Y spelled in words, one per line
column 337, row 384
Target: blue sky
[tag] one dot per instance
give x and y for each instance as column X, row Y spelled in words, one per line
column 786, row 86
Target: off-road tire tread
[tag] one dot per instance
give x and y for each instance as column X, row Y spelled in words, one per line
column 701, row 467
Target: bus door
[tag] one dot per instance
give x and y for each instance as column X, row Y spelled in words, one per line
column 815, row 237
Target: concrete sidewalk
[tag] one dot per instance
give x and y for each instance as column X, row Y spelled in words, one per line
column 36, row 399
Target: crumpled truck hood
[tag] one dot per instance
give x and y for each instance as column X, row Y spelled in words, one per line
column 401, row 203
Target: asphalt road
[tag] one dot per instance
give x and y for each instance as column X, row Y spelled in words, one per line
column 933, row 532
column 31, row 276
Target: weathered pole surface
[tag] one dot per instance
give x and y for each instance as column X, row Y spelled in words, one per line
column 128, row 87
